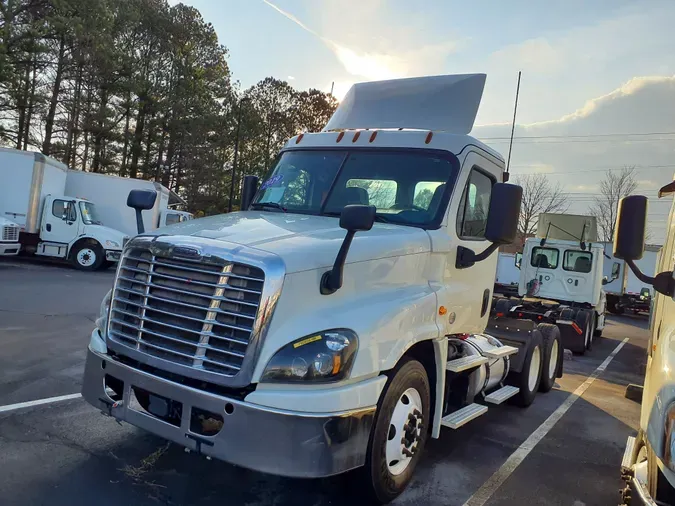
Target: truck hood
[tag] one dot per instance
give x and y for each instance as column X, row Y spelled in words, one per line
column 102, row 234
column 304, row 242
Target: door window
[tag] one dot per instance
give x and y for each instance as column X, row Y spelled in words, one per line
column 545, row 258
column 473, row 208
column 63, row 209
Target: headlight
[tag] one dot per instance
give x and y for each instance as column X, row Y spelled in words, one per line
column 112, row 244
column 322, row 357
column 102, row 320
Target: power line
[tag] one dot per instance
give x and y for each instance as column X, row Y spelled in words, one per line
column 583, row 136
column 598, row 169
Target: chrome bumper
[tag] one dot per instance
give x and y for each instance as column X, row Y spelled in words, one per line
column 634, row 493
column 264, row 439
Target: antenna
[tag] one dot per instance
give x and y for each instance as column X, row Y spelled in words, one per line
column 332, row 85
column 513, row 128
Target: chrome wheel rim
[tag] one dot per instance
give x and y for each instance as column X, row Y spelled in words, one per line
column 535, row 364
column 405, row 428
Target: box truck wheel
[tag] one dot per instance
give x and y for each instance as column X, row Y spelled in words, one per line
column 87, row 255
column 399, row 433
column 529, row 377
column 552, row 351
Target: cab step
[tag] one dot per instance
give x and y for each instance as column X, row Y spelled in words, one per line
column 501, row 352
column 464, row 363
column 463, row 416
column 628, row 454
column 501, row 395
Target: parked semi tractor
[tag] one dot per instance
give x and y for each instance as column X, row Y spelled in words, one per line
column 648, row 465
column 110, row 194
column 561, row 279
column 33, row 196
column 626, row 292
column 9, row 237
column 508, row 274
column 337, row 322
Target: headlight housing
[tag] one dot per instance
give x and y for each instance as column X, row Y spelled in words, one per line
column 322, row 357
column 112, row 244
column 102, row 320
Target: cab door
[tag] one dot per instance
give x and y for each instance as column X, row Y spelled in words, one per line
column 59, row 221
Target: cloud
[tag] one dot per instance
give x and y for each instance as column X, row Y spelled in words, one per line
column 291, row 78
column 386, row 57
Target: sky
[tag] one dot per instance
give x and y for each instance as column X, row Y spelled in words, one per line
column 590, row 70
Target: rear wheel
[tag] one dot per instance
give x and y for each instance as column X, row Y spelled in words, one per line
column 528, row 379
column 552, row 355
column 399, row 432
column 590, row 330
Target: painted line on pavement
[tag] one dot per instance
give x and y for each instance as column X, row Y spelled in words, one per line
column 38, row 402
column 485, row 492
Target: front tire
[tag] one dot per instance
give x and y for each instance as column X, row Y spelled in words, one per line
column 552, row 355
column 87, row 257
column 399, row 433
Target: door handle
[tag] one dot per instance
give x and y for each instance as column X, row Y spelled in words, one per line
column 49, row 227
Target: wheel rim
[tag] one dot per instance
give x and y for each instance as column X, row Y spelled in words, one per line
column 86, row 257
column 405, row 428
column 535, row 363
column 553, row 361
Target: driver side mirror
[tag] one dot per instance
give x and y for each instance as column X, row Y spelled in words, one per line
column 519, row 260
column 141, row 200
column 616, row 270
column 631, row 224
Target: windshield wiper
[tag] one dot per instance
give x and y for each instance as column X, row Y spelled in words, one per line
column 273, row 205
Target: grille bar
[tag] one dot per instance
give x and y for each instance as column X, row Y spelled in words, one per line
column 10, row 233
column 185, row 312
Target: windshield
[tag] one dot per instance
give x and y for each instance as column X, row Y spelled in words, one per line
column 89, row 214
column 407, row 187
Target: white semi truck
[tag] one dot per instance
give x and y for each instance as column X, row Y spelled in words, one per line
column 52, row 224
column 648, row 465
column 561, row 279
column 337, row 322
column 110, row 194
column 626, row 292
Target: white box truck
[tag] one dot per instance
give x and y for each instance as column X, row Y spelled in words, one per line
column 337, row 321
column 648, row 464
column 110, row 194
column 33, row 196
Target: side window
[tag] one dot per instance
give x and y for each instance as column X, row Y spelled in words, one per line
column 172, row 218
column 545, row 258
column 381, row 192
column 578, row 261
column 60, row 208
column 473, row 208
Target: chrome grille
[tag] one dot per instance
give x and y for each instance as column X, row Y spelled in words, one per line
column 191, row 313
column 10, row 233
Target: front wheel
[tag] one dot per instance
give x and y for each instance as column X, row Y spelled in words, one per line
column 399, row 432
column 87, row 257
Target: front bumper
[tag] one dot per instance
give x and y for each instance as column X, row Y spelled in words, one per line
column 639, row 495
column 113, row 255
column 286, row 443
column 9, row 248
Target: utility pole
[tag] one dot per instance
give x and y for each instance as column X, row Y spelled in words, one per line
column 236, row 153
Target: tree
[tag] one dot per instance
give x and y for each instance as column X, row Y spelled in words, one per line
column 539, row 196
column 613, row 188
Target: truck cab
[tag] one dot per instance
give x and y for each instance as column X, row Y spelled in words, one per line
column 337, row 321
column 70, row 228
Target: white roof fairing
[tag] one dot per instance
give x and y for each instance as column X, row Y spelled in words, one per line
column 442, row 103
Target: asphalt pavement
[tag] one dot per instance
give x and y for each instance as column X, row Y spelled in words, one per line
column 67, row 453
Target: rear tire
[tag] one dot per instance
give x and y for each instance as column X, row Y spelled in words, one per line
column 528, row 379
column 552, row 355
column 386, row 479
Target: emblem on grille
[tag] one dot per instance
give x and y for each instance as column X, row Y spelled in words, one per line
column 186, row 251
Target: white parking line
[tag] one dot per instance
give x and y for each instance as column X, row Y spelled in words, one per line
column 20, row 405
column 483, row 494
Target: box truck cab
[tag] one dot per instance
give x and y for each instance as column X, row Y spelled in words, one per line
column 52, row 223
column 337, row 321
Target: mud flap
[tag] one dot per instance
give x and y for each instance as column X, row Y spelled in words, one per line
column 572, row 336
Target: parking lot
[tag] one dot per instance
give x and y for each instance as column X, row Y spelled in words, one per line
column 67, row 453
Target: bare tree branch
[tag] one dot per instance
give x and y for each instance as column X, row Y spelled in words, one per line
column 539, row 196
column 613, row 188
